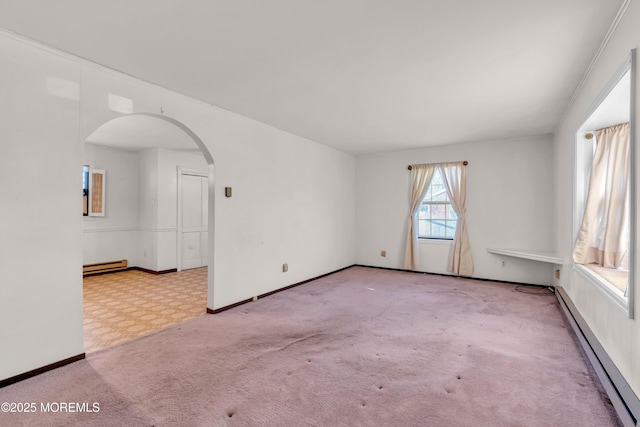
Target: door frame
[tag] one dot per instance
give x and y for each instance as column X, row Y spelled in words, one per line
column 181, row 172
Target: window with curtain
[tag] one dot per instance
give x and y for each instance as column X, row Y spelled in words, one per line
column 436, row 217
column 428, row 185
column 604, row 207
column 603, row 240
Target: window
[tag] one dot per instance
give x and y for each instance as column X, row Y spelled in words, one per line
column 85, row 190
column 93, row 191
column 436, row 217
column 433, row 215
column 604, row 214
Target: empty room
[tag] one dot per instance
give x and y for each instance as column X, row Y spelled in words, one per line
column 400, row 212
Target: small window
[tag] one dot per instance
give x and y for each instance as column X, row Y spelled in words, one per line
column 93, row 191
column 436, row 217
column 85, row 190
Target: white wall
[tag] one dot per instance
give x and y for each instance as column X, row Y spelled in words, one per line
column 114, row 235
column 293, row 199
column 147, row 245
column 619, row 336
column 40, row 209
column 509, row 205
column 141, row 203
column 293, row 202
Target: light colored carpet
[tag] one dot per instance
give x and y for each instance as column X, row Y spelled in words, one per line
column 362, row 347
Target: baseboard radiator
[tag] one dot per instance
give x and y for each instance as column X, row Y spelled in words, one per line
column 104, row 267
column 622, row 397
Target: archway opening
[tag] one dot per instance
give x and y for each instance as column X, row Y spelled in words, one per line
column 150, row 164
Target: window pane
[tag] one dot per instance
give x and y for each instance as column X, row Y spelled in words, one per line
column 451, row 228
column 452, row 213
column 85, row 190
column 436, row 217
column 437, row 191
column 423, row 228
column 423, row 212
column 85, row 177
column 440, row 214
column 438, row 211
column 438, row 228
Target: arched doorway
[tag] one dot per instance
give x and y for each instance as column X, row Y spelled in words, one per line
column 144, row 151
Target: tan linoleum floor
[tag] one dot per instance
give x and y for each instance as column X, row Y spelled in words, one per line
column 121, row 306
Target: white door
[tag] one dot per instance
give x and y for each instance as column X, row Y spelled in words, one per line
column 193, row 226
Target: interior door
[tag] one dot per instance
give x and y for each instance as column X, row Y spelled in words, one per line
column 194, row 224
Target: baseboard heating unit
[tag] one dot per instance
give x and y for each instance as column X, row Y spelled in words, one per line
column 622, row 397
column 104, row 267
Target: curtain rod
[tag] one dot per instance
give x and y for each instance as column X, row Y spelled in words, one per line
column 590, row 135
column 464, row 163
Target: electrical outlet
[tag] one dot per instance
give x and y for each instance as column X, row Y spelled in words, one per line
column 504, row 263
column 285, row 268
column 383, row 253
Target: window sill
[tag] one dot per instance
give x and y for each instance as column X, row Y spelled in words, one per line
column 603, row 286
column 428, row 240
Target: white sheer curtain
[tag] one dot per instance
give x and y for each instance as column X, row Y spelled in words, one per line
column 604, row 235
column 421, row 176
column 455, row 181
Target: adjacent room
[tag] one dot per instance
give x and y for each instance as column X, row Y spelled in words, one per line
column 319, row 213
column 152, row 217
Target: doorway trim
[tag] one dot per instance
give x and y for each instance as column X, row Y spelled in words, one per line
column 210, row 173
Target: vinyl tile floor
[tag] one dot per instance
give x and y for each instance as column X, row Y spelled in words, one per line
column 121, row 306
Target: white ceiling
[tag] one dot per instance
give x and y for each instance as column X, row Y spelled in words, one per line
column 139, row 132
column 359, row 75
